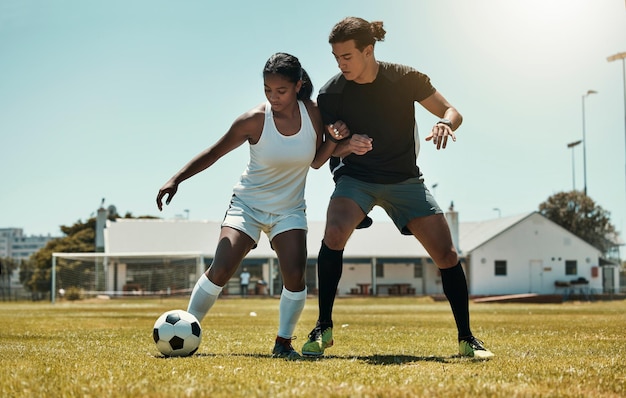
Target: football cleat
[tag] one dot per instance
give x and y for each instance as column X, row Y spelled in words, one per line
column 319, row 340
column 472, row 347
column 284, row 349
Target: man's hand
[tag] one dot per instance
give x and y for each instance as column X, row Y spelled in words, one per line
column 360, row 144
column 439, row 135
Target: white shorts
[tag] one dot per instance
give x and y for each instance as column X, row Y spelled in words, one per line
column 252, row 221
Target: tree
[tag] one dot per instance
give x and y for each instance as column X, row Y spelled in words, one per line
column 79, row 238
column 580, row 215
column 7, row 266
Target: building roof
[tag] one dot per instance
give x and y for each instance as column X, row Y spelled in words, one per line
column 382, row 239
column 477, row 233
column 161, row 236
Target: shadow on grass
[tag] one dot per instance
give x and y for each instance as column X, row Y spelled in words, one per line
column 388, row 359
column 209, row 355
column 196, row 355
column 371, row 359
column 391, row 359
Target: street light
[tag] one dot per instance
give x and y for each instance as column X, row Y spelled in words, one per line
column 612, row 58
column 498, row 210
column 572, row 145
column 589, row 92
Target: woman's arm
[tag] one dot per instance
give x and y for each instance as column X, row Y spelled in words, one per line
column 325, row 145
column 246, row 127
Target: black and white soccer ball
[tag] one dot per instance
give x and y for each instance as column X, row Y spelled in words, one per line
column 177, row 333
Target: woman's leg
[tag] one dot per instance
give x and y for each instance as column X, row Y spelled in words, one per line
column 232, row 248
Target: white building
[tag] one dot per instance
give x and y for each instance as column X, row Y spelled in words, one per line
column 526, row 253
column 530, row 254
column 19, row 247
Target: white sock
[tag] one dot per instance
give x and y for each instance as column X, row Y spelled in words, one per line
column 203, row 297
column 291, row 306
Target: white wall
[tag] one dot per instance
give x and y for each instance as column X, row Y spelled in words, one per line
column 535, row 250
column 355, row 273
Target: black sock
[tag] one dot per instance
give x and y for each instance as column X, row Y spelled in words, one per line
column 329, row 269
column 455, row 289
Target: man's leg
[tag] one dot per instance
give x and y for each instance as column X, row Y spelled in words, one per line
column 342, row 218
column 434, row 234
column 455, row 288
column 329, row 270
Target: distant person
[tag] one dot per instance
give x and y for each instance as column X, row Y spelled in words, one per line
column 378, row 167
column 244, row 281
column 285, row 135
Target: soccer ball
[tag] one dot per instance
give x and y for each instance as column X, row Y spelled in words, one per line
column 177, row 333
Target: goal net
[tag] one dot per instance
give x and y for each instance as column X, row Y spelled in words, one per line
column 84, row 275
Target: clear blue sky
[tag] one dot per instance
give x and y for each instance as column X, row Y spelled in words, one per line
column 107, row 99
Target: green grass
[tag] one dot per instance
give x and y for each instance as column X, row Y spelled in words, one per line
column 387, row 347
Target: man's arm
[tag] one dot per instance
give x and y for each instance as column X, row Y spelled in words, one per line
column 440, row 107
column 450, row 120
column 358, row 144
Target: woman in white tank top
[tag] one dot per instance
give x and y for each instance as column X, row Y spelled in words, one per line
column 285, row 135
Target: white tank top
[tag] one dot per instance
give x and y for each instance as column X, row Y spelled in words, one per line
column 275, row 177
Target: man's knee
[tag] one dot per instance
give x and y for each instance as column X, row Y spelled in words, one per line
column 336, row 236
column 448, row 259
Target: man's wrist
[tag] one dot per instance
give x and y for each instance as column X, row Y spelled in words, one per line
column 445, row 121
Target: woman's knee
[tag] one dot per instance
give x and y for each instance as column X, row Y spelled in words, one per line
column 219, row 275
column 294, row 279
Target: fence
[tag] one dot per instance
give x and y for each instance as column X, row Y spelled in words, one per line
column 85, row 275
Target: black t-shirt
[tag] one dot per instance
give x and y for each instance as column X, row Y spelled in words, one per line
column 385, row 111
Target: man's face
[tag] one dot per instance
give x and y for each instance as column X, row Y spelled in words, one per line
column 350, row 60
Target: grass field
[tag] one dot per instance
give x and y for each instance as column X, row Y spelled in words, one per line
column 385, row 347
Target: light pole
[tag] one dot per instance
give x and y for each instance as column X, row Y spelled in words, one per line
column 612, row 58
column 572, row 145
column 589, row 92
column 498, row 210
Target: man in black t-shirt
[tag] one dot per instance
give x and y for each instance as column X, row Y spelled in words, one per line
column 377, row 166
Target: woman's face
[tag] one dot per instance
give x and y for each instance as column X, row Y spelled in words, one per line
column 280, row 92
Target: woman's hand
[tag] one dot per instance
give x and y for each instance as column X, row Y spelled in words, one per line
column 168, row 189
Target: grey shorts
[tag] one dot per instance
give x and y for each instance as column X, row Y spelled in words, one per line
column 252, row 221
column 403, row 201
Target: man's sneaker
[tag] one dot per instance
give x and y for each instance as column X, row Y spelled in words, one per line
column 284, row 349
column 365, row 223
column 472, row 347
column 319, row 340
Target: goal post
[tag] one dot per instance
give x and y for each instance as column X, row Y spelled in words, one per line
column 86, row 275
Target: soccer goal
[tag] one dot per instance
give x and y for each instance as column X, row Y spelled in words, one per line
column 86, row 275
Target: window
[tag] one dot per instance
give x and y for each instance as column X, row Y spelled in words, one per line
column 380, row 273
column 571, row 267
column 500, row 268
column 418, row 271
